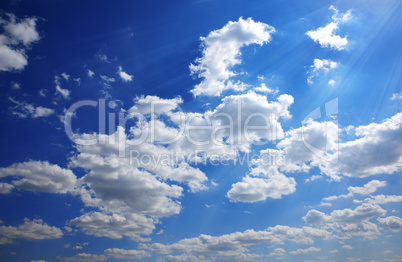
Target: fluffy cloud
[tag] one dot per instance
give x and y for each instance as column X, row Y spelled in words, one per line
column 380, row 156
column 6, row 188
column 124, row 76
column 306, row 146
column 252, row 189
column 40, row 176
column 367, row 189
column 114, row 226
column 394, row 223
column 320, row 65
column 348, row 222
column 305, row 251
column 34, row 229
column 383, row 199
column 234, row 246
column 126, row 254
column 264, row 180
column 326, row 36
column 316, row 145
column 221, row 52
column 24, row 110
column 17, row 36
column 65, row 93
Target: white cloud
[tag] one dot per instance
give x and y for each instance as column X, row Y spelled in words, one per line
column 320, row 65
column 278, row 252
column 347, row 247
column 394, row 223
column 115, row 226
column 90, row 73
column 349, row 222
column 15, row 85
column 63, row 92
column 34, row 229
column 367, row 189
column 264, row 89
column 383, row 199
column 126, row 254
column 6, row 188
column 83, row 257
column 124, row 76
column 264, row 181
column 185, row 258
column 377, row 141
column 65, row 76
column 39, row 176
column 234, row 246
column 305, row 147
column 326, row 36
column 332, row 82
column 16, row 38
column 396, row 96
column 221, row 52
column 305, row 251
column 24, row 110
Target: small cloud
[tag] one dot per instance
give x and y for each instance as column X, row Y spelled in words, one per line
column 124, row 76
column 331, row 82
column 15, row 85
column 347, row 247
column 64, row 92
column 396, row 96
column 160, row 232
column 43, row 92
column 65, row 76
column 90, row 73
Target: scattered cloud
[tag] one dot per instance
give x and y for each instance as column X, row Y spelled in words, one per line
column 34, row 229
column 326, row 36
column 320, row 65
column 124, row 76
column 305, row 251
column 15, row 40
column 24, row 110
column 37, row 176
column 221, row 52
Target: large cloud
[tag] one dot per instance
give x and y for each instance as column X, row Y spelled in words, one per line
column 16, row 38
column 40, row 176
column 234, row 246
column 349, row 222
column 34, row 229
column 221, row 53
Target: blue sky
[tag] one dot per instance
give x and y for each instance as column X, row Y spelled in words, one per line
column 200, row 130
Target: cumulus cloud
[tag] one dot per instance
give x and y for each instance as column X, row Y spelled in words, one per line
column 394, row 223
column 221, row 52
column 366, row 189
column 34, row 229
column 235, row 245
column 320, row 65
column 348, row 222
column 326, row 36
column 264, row 181
column 305, row 251
column 40, row 176
column 16, row 39
column 124, row 76
column 380, row 156
column 316, row 145
column 24, row 110
column 6, row 188
column 126, row 254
